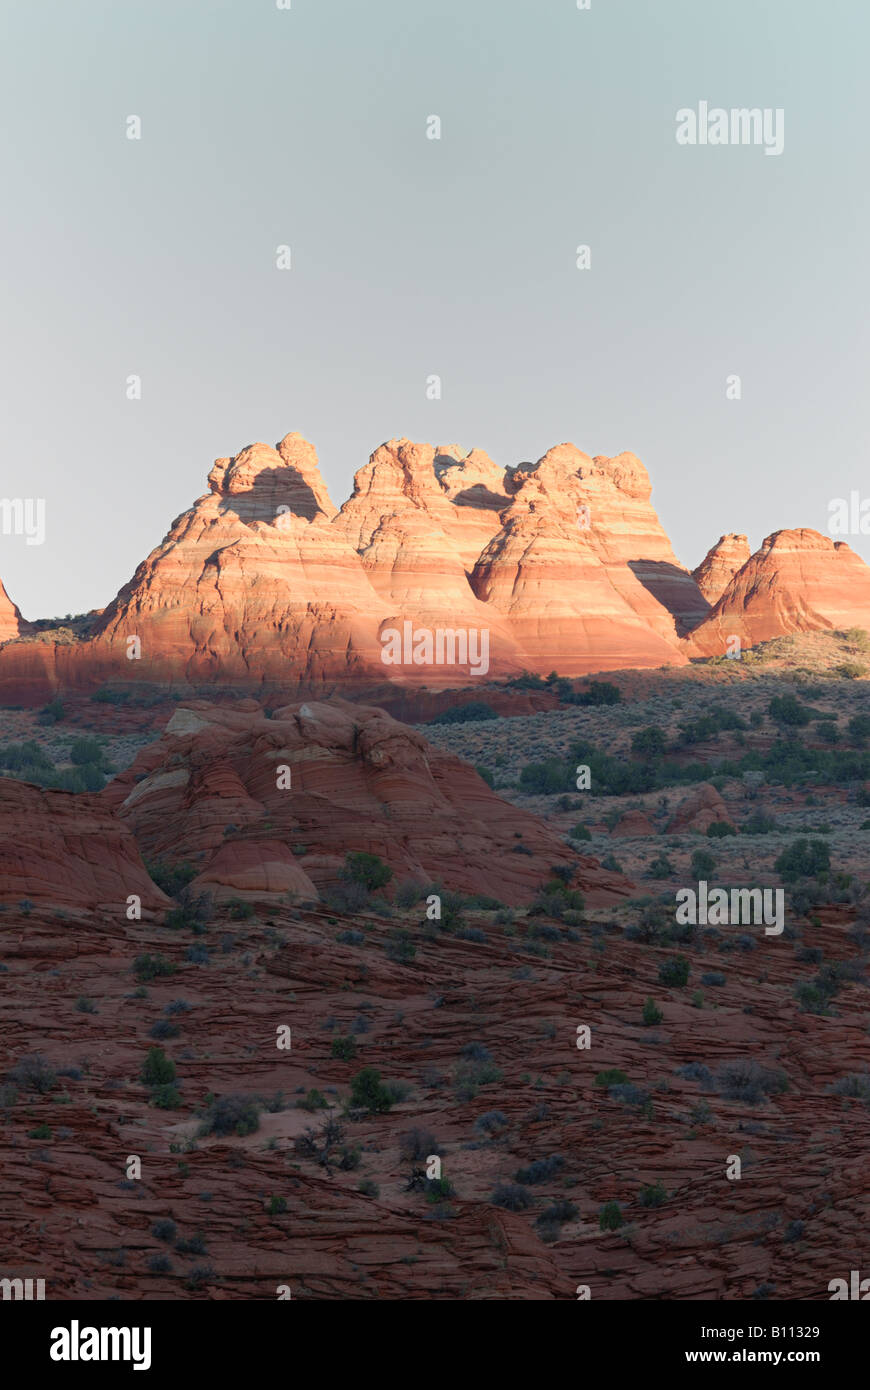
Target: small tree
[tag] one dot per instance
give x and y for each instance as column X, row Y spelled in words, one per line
column 368, row 1093
column 651, row 1014
column 159, row 1070
column 610, row 1217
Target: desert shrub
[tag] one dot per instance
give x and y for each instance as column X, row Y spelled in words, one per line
column 652, row 1014
column 491, row 1122
column 148, row 967
column 546, row 778
column 748, row 1080
column 367, row 1092
column 612, row 1077
column 33, row 1073
column 759, row 823
column 610, row 1217
column 235, row 1113
column 240, row 911
column 675, row 972
column 159, row 1264
column 540, row 1170
column 712, row 978
column 313, row 1100
column 158, row 1068
column 163, row 1229
column 417, row 1144
column 787, row 709
column 859, row 729
column 653, row 1195
column 650, row 742
column 400, row 946
column 628, row 1094
column 856, row 1085
column 166, row 1097
column 193, row 913
column 474, row 712
column 366, row 869
column 409, row 893
column 344, row 1049
column 696, row 1071
column 52, row 713
column 660, row 867
column 718, row 829
column 595, row 693
column 171, row 878
column 580, row 832
column 709, row 725
column 277, row 1205
column 87, row 750
column 703, row 864
column 803, row 859
column 510, row 1196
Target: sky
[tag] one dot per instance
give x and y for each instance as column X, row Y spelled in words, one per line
column 414, row 257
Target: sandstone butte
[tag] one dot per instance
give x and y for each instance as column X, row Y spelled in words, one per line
column 720, row 565
column 208, row 792
column 798, row 581
column 263, row 582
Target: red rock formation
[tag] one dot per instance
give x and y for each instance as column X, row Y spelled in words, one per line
column 61, row 850
column 632, row 823
column 11, row 622
column 567, row 590
column 720, row 565
column 208, row 792
column 699, row 810
column 798, row 581
column 557, row 565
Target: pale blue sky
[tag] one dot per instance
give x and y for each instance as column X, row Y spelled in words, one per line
column 414, row 257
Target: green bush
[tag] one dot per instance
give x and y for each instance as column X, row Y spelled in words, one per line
column 650, row 742
column 366, row 869
column 675, row 972
column 159, row 1069
column 651, row 1014
column 580, row 832
column 474, row 712
column 719, row 829
column 803, row 859
column 368, row 1093
column 703, row 864
column 235, row 1113
column 787, row 709
column 611, row 1077
column 610, row 1217
column 344, row 1049
column 660, row 867
column 148, row 967
column 166, row 1097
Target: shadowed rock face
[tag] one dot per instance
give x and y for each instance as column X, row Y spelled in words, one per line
column 69, row 851
column 798, row 581
column 359, row 781
column 563, row 564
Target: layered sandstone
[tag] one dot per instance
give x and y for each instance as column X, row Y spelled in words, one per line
column 559, row 569
column 798, row 581
column 70, row 852
column 720, row 565
column 11, row 622
column 557, row 565
column 265, row 806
